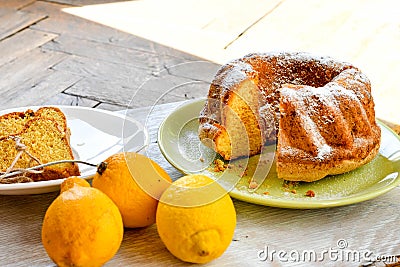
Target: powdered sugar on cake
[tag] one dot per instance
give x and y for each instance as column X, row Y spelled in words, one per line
column 322, row 109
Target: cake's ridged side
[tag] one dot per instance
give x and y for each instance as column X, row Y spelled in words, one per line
column 327, row 108
column 306, row 172
column 341, row 135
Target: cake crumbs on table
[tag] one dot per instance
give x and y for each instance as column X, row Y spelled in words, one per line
column 310, row 193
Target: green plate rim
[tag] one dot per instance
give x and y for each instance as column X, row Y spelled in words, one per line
column 279, row 202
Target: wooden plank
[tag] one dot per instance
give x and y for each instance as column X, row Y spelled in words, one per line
column 203, row 28
column 128, row 58
column 102, row 91
column 46, row 7
column 229, row 18
column 126, row 55
column 70, row 100
column 85, row 29
column 180, row 28
column 15, row 4
column 104, row 52
column 21, row 43
column 26, row 68
column 31, row 214
column 79, row 2
column 111, row 107
column 5, row 10
column 288, row 29
column 371, row 46
column 157, row 90
column 134, row 77
column 220, row 19
column 128, row 76
column 88, row 30
column 41, row 91
column 169, row 88
column 197, row 70
column 13, row 22
column 149, row 116
column 63, row 23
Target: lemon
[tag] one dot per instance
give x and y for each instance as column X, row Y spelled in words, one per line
column 134, row 182
column 82, row 226
column 201, row 227
column 73, row 181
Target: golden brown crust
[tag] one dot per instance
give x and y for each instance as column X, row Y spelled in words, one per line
column 326, row 130
column 46, row 136
column 54, row 113
column 14, row 122
column 320, row 106
column 313, row 171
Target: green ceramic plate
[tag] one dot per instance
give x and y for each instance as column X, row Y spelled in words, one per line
column 179, row 143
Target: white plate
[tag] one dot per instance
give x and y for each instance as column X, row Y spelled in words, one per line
column 95, row 135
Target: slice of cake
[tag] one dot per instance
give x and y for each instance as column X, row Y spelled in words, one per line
column 45, row 135
column 14, row 123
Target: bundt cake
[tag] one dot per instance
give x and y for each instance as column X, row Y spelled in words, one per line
column 319, row 111
column 45, row 135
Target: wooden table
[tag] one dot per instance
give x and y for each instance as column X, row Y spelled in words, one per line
column 369, row 226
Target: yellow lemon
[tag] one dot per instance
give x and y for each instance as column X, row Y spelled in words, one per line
column 73, row 181
column 82, row 226
column 134, row 182
column 196, row 219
